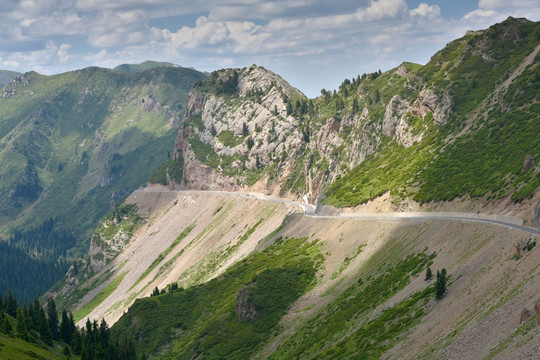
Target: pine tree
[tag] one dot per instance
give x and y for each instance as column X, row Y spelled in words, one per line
column 43, row 327
column 21, row 325
column 289, row 109
column 429, row 274
column 67, row 352
column 65, row 328
column 440, row 285
column 355, row 106
column 76, row 342
column 53, row 318
column 11, row 304
column 7, row 325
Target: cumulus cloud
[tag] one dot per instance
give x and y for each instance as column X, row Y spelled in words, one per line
column 494, row 10
column 426, row 10
column 290, row 36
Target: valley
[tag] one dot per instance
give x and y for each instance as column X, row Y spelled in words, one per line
column 229, row 216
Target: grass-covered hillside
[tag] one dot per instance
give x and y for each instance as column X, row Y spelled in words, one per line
column 461, row 126
column 74, row 144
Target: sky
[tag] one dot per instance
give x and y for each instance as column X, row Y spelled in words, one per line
column 313, row 44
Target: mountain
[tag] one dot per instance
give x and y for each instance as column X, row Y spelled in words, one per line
column 147, row 65
column 6, row 76
column 460, row 127
column 421, row 167
column 71, row 146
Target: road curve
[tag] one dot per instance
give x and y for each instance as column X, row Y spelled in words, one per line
column 310, row 211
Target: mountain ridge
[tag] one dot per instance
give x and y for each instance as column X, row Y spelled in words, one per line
column 409, row 115
column 239, row 277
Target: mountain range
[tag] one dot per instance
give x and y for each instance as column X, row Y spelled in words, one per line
column 277, row 226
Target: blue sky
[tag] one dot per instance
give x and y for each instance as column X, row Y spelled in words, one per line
column 313, row 44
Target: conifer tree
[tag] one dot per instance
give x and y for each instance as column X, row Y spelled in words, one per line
column 11, row 304
column 53, row 318
column 429, row 274
column 7, row 325
column 22, row 331
column 65, row 328
column 440, row 285
column 43, row 327
column 76, row 342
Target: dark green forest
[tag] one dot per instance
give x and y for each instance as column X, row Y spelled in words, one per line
column 50, row 329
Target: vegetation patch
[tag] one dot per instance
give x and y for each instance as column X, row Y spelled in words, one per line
column 227, row 138
column 172, row 167
column 206, row 323
column 340, row 317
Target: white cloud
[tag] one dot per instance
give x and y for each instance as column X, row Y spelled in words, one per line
column 297, row 38
column 496, row 10
column 426, row 10
column 479, row 13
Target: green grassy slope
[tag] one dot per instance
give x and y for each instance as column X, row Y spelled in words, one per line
column 142, row 66
column 76, row 143
column 485, row 160
column 15, row 348
column 226, row 317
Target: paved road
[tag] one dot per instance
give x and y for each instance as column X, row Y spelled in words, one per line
column 310, row 211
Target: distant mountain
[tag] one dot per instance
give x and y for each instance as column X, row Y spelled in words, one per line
column 72, row 145
column 6, row 76
column 147, row 65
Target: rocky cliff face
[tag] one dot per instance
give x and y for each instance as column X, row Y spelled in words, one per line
column 249, row 129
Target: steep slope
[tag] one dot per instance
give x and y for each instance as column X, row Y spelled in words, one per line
column 358, row 285
column 192, row 237
column 77, row 143
column 462, row 126
column 236, row 276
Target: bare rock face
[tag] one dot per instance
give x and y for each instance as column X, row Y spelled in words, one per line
column 244, row 308
column 537, row 311
column 536, row 215
column 525, row 314
column 256, row 135
column 528, row 163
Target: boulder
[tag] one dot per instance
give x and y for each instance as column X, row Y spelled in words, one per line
column 525, row 314
column 528, row 163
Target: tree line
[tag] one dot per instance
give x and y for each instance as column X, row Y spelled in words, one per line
column 36, row 323
column 27, row 276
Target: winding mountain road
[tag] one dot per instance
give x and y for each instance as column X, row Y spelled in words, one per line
column 310, row 211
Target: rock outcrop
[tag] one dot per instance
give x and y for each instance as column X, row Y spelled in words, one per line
column 244, row 308
column 249, row 129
